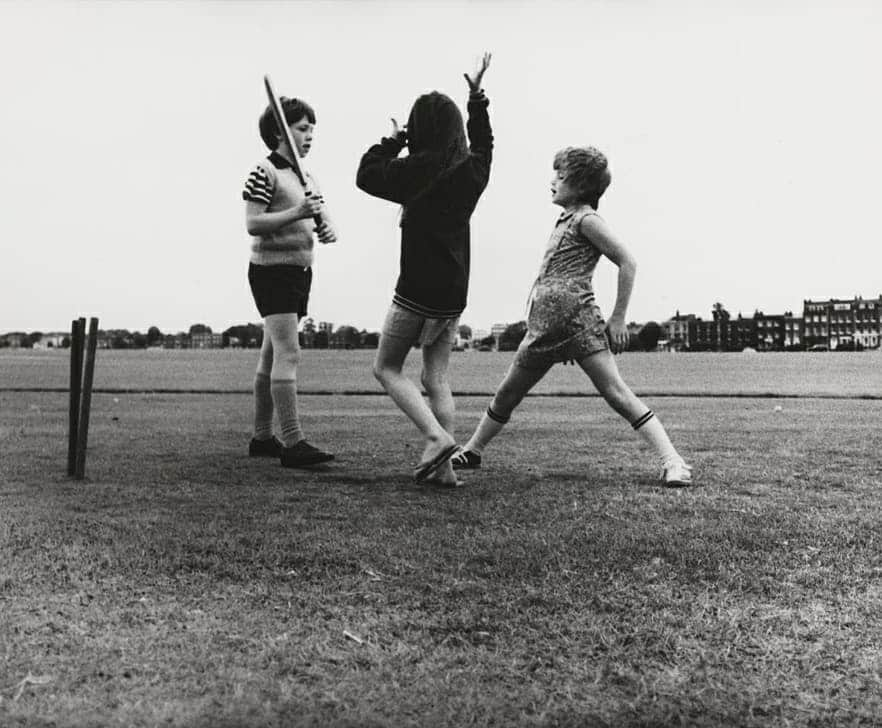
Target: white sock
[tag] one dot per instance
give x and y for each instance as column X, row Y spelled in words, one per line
column 490, row 426
column 285, row 399
column 652, row 431
column 263, row 407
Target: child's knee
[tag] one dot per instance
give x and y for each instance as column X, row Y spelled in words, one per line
column 434, row 382
column 383, row 372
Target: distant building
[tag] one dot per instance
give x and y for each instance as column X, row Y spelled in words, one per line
column 741, row 334
column 778, row 332
column 843, row 323
column 52, row 340
column 675, row 332
column 176, row 341
column 710, row 335
column 206, row 340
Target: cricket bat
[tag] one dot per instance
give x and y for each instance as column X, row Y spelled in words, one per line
column 276, row 107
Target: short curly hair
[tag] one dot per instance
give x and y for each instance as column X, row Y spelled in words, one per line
column 587, row 171
column 293, row 109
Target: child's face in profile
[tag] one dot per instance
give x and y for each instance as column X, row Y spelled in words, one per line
column 301, row 133
column 561, row 192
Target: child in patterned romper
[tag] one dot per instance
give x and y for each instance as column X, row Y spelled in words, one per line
column 564, row 323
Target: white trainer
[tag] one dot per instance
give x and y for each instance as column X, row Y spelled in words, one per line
column 676, row 474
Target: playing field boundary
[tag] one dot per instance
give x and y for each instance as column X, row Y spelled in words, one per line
column 483, row 393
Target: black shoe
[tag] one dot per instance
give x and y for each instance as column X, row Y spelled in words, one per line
column 271, row 448
column 466, row 460
column 302, row 455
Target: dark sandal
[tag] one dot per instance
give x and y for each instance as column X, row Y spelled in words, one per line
column 424, row 470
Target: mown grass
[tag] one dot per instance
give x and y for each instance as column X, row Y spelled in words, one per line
column 833, row 374
column 183, row 584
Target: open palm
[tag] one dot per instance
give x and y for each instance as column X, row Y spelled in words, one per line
column 475, row 81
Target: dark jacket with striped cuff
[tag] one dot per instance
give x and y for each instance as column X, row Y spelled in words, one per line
column 435, row 241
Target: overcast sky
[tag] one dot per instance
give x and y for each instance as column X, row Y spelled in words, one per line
column 743, row 137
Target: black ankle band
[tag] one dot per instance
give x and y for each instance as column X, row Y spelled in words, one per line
column 642, row 420
column 495, row 417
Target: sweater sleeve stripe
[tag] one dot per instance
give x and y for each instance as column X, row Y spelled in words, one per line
column 258, row 187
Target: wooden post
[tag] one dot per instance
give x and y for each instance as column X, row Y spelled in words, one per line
column 86, row 400
column 77, row 341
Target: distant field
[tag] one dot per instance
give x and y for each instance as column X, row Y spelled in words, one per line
column 229, row 370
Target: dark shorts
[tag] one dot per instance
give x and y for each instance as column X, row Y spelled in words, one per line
column 280, row 288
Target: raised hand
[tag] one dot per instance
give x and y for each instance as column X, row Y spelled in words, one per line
column 475, row 81
column 398, row 132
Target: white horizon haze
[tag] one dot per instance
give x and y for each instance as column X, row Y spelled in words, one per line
column 743, row 139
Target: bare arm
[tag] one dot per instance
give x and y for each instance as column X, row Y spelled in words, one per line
column 258, row 221
column 599, row 233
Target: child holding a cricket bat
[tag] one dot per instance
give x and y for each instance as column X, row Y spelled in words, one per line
column 279, row 212
column 438, row 184
column 564, row 324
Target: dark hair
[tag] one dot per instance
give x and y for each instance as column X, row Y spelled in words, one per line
column 436, row 136
column 587, row 171
column 293, row 109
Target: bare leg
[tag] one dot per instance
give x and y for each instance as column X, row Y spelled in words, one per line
column 388, row 367
column 604, row 374
column 601, row 368
column 436, row 358
column 517, row 382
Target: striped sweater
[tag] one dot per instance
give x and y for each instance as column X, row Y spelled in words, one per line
column 273, row 183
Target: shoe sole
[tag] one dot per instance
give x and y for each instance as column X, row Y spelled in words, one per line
column 677, row 483
column 444, row 486
column 307, row 463
column 466, row 466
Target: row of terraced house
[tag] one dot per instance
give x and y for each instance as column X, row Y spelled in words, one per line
column 825, row 325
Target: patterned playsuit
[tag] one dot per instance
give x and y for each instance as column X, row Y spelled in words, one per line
column 563, row 322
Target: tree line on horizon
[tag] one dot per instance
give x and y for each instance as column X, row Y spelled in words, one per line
column 325, row 336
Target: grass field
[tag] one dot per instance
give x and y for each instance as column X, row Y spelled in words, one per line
column 232, row 370
column 183, row 584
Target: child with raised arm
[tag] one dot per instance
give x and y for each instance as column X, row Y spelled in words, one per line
column 279, row 215
column 565, row 324
column 438, row 185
